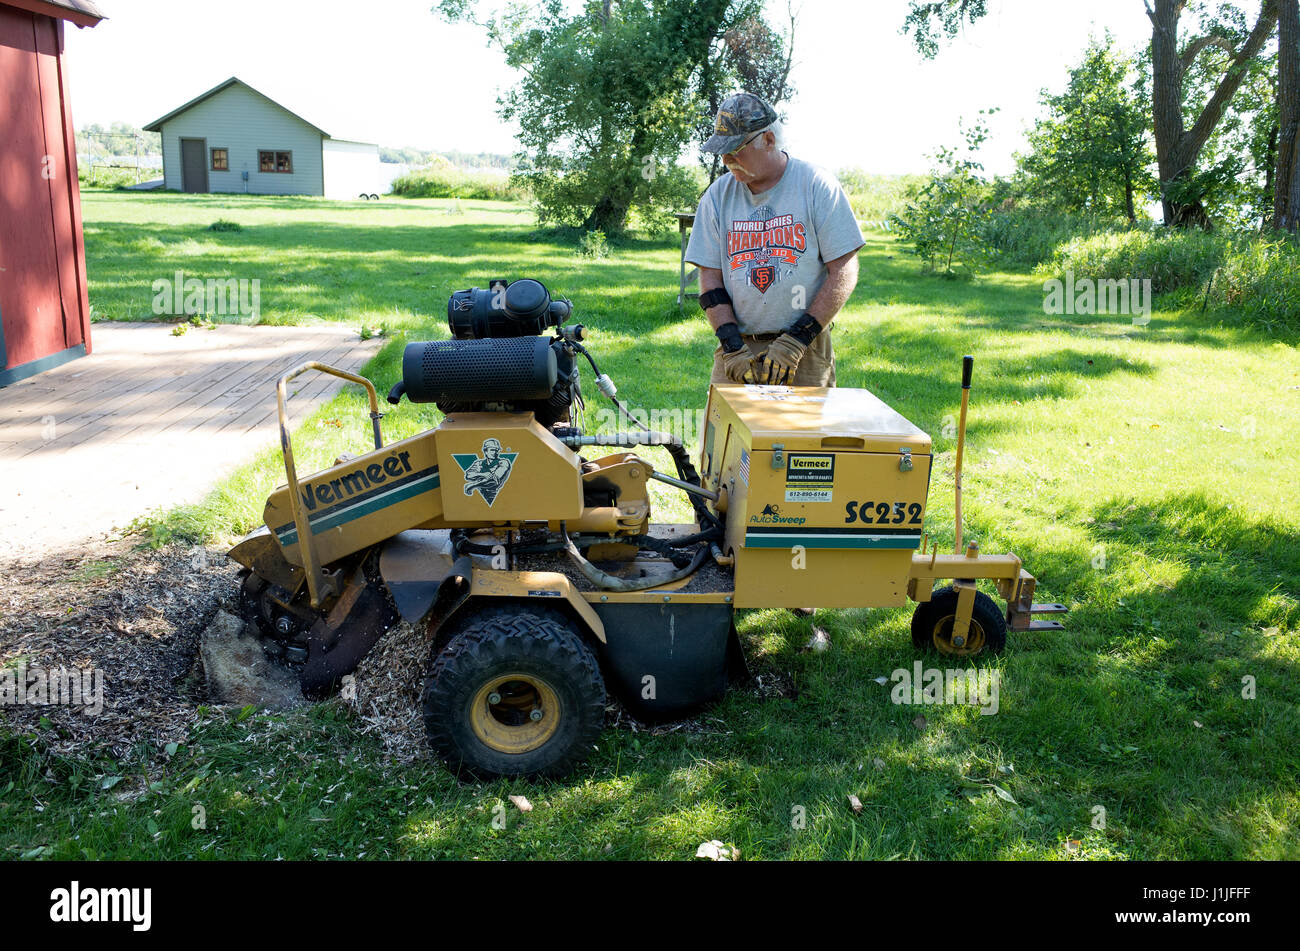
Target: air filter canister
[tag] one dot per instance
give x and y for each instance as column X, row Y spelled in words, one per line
column 494, row 369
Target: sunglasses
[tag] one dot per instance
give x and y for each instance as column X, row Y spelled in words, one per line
column 741, row 147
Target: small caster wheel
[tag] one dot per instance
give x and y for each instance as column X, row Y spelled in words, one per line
column 932, row 625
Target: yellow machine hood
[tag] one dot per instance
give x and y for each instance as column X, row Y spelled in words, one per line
column 805, row 418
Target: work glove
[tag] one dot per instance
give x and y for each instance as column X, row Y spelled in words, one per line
column 776, row 367
column 737, row 361
column 739, row 365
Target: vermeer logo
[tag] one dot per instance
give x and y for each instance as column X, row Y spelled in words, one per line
column 344, row 487
column 486, row 474
column 810, row 469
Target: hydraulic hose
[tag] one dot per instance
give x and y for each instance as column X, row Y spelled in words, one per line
column 609, row 582
column 681, row 458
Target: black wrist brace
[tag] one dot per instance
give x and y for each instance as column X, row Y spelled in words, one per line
column 729, row 334
column 805, row 328
column 714, row 297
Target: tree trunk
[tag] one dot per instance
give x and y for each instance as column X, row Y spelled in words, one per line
column 609, row 215
column 1177, row 147
column 1286, row 177
column 698, row 24
column 1270, row 173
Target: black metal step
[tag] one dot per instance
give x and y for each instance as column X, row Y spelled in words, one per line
column 1045, row 626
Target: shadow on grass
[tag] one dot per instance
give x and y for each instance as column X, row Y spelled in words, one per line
column 337, row 270
column 1173, row 704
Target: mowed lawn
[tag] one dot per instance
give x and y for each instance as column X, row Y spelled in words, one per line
column 1146, row 476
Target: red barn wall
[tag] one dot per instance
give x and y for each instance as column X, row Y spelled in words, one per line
column 44, row 312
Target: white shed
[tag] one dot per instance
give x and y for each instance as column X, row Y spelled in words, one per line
column 232, row 138
column 351, row 168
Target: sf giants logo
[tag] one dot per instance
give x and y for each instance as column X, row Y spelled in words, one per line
column 762, row 277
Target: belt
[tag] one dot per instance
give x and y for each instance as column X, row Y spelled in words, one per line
column 773, row 336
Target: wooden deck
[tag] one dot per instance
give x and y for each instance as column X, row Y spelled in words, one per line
column 148, row 420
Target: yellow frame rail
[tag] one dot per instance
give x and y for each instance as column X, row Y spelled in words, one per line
column 316, row 580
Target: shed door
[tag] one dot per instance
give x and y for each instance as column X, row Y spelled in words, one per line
column 194, row 165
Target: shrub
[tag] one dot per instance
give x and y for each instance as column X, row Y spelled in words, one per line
column 1262, row 279
column 593, row 245
column 1171, row 259
column 944, row 223
column 446, row 181
column 221, row 224
column 1028, row 235
column 944, row 218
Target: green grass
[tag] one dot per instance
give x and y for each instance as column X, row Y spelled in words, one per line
column 1144, row 474
column 875, row 197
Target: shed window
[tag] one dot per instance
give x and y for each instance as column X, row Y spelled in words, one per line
column 268, row 161
column 220, row 160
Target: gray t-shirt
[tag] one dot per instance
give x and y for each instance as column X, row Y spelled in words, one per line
column 772, row 248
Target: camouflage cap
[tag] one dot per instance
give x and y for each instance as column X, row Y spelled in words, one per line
column 739, row 116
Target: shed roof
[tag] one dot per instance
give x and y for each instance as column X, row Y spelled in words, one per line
column 157, row 124
column 80, row 12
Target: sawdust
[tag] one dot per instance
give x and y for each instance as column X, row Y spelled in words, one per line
column 138, row 617
column 385, row 693
column 133, row 616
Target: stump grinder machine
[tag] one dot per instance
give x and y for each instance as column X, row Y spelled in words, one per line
column 522, row 548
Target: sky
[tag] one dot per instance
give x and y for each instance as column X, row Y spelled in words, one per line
column 393, row 72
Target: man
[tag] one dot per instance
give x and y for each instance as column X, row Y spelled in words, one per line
column 488, row 474
column 776, row 244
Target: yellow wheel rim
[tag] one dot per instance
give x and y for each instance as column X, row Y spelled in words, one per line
column 942, row 638
column 514, row 713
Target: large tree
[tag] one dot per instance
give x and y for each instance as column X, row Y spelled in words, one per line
column 1178, row 146
column 752, row 56
column 1089, row 152
column 1286, row 179
column 608, row 98
column 1178, row 143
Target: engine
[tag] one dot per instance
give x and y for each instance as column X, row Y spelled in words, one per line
column 496, row 360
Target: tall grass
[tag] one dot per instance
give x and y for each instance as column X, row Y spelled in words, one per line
column 1251, row 279
column 1171, row 259
column 1027, row 236
column 875, row 197
column 1261, row 278
column 106, row 177
column 449, row 182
